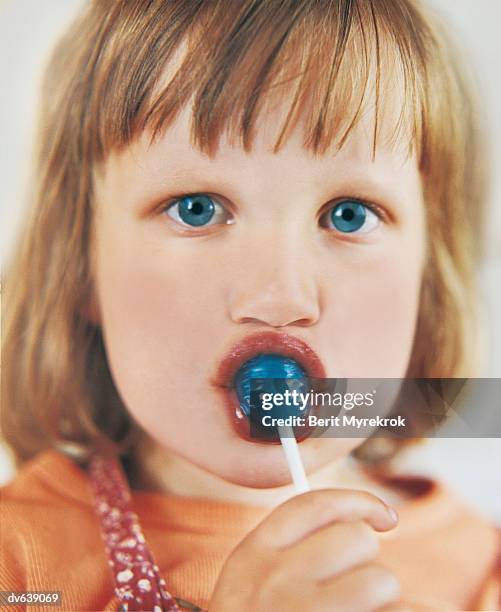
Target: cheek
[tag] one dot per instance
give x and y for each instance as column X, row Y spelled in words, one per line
column 161, row 317
column 372, row 313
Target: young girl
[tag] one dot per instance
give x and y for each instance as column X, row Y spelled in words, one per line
column 216, row 182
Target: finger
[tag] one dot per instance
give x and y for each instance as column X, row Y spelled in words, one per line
column 331, row 551
column 311, row 511
column 368, row 587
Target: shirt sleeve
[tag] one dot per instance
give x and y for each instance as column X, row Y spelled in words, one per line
column 12, row 566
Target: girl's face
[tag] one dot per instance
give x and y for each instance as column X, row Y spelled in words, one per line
column 328, row 249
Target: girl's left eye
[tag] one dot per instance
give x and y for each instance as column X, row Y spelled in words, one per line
column 351, row 217
column 197, row 211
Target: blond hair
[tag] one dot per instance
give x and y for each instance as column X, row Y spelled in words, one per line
column 105, row 85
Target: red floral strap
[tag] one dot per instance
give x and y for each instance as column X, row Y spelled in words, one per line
column 138, row 584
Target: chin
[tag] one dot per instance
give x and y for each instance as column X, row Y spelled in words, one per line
column 265, row 466
column 269, row 479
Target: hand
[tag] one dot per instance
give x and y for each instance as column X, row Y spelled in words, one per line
column 314, row 552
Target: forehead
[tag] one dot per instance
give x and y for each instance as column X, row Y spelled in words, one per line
column 371, row 115
column 354, row 76
column 173, row 162
column 178, row 145
column 328, row 67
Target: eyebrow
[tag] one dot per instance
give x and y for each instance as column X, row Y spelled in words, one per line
column 349, row 174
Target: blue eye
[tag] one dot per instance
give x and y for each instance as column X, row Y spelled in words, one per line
column 350, row 216
column 197, row 211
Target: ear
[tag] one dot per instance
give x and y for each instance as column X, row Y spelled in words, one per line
column 91, row 311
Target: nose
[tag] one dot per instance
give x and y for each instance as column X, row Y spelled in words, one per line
column 278, row 287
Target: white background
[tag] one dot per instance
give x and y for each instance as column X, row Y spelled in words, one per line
column 28, row 29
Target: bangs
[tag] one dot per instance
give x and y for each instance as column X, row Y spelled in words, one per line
column 330, row 64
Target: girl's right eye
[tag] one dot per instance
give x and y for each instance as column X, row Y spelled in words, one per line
column 198, row 210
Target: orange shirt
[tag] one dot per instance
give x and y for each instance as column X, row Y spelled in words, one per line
column 445, row 555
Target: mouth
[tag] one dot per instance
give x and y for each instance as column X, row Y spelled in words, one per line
column 291, row 349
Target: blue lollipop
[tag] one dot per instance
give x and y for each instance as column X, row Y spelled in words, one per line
column 274, row 372
column 277, row 374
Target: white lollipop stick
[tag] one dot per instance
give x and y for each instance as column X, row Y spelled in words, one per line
column 294, row 461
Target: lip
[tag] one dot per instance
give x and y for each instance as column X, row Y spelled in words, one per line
column 265, row 343
column 260, row 343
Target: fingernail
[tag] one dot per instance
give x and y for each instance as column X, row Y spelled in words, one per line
column 393, row 514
